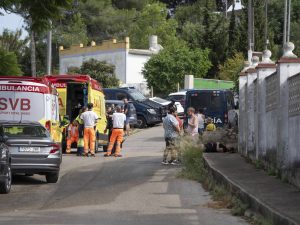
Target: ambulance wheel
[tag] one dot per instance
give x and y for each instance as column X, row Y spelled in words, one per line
column 96, row 146
column 63, row 147
column 105, row 148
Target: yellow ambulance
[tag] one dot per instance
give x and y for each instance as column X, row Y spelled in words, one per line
column 76, row 91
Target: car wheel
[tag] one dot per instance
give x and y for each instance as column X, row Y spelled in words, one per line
column 141, row 122
column 52, row 177
column 6, row 185
column 96, row 146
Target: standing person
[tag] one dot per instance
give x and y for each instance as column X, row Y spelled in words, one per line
column 172, row 129
column 128, row 114
column 201, row 119
column 118, row 119
column 80, row 143
column 192, row 128
column 89, row 120
column 109, row 124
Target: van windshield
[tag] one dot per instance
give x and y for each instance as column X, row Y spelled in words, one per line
column 137, row 96
column 207, row 101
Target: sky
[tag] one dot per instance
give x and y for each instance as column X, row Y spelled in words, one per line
column 11, row 22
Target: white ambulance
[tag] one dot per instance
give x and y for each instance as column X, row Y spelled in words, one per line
column 30, row 99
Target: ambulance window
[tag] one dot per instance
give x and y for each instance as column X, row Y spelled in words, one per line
column 121, row 95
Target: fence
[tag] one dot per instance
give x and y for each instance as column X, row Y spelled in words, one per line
column 269, row 116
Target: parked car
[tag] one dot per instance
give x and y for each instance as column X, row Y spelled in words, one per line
column 165, row 103
column 133, row 117
column 5, row 168
column 178, row 97
column 148, row 112
column 32, row 150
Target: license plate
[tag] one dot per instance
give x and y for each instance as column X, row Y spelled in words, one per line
column 30, row 149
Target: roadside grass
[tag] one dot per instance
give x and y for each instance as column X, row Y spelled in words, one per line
column 194, row 168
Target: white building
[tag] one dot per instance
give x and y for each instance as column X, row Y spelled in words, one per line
column 129, row 63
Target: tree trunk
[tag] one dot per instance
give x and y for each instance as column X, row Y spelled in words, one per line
column 33, row 57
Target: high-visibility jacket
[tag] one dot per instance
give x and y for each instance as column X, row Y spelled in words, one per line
column 80, row 121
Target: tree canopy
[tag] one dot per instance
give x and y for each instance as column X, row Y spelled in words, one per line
column 201, row 24
column 9, row 64
column 168, row 68
column 100, row 71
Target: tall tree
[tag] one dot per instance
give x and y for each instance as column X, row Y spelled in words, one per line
column 152, row 21
column 9, row 65
column 37, row 14
column 166, row 69
column 11, row 41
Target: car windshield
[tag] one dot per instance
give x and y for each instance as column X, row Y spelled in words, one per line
column 23, row 131
column 137, row 96
column 159, row 100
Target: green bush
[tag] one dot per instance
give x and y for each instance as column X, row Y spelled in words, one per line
column 192, row 159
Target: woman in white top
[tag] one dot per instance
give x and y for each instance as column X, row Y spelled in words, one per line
column 192, row 128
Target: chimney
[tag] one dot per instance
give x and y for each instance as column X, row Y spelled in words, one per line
column 154, row 47
column 153, row 42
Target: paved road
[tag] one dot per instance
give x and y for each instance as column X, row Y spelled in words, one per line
column 134, row 190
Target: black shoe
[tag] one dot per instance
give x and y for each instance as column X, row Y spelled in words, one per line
column 85, row 155
column 93, row 155
column 164, row 162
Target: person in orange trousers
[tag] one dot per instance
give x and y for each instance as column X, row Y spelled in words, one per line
column 73, row 135
column 119, row 119
column 89, row 120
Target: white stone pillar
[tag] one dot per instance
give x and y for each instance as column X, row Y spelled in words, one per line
column 288, row 66
column 242, row 114
column 189, row 82
column 250, row 105
column 264, row 69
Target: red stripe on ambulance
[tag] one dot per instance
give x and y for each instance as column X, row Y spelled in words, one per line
column 24, row 88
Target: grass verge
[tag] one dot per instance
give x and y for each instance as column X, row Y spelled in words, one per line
column 194, row 169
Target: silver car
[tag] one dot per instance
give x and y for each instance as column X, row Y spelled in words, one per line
column 31, row 148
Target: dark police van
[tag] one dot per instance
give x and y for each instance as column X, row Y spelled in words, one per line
column 148, row 112
column 216, row 104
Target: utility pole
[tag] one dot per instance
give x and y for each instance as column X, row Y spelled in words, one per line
column 289, row 21
column 250, row 30
column 49, row 50
column 266, row 25
column 285, row 21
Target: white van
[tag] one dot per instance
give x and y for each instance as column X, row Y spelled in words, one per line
column 30, row 99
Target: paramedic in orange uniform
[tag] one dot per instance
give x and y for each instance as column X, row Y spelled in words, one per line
column 119, row 119
column 89, row 120
column 73, row 135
